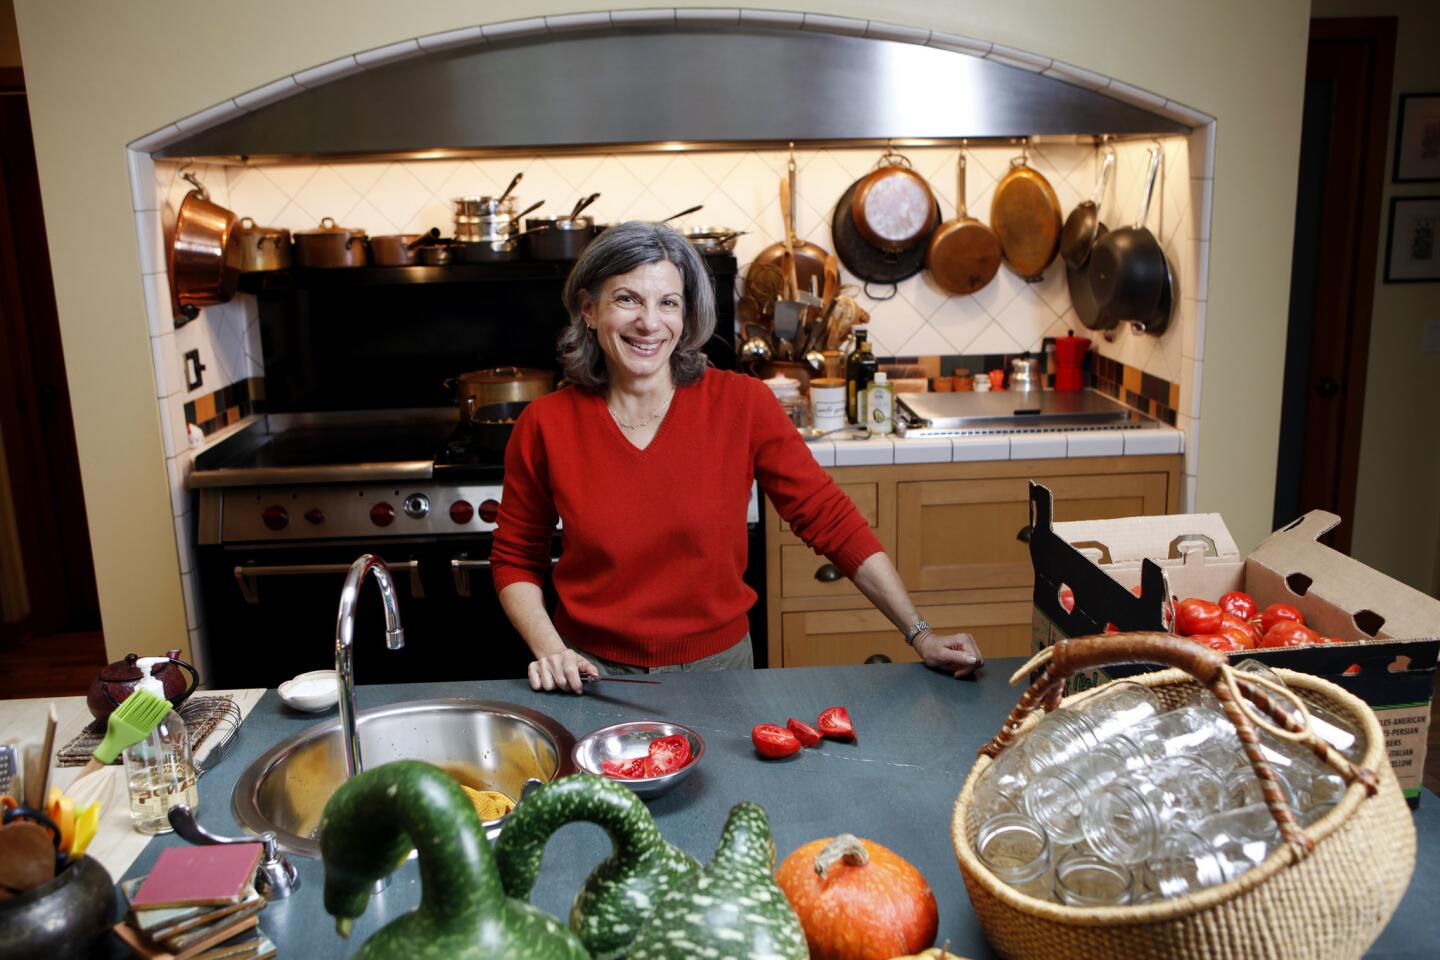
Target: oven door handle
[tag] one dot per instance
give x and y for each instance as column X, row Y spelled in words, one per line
column 246, row 576
column 460, row 570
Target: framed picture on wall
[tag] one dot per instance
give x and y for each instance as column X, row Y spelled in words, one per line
column 1412, row 251
column 1417, row 138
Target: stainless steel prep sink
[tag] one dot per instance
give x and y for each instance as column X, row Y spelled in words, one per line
column 485, row 744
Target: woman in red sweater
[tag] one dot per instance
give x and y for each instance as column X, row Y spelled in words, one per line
column 647, row 461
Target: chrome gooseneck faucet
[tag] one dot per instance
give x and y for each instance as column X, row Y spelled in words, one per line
column 344, row 639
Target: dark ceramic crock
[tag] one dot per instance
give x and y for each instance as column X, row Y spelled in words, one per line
column 61, row 919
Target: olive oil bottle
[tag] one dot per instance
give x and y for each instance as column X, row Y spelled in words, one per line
column 859, row 371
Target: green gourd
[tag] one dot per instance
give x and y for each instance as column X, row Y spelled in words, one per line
column 730, row 909
column 367, row 830
column 622, row 891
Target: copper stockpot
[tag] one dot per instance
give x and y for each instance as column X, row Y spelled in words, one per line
column 203, row 259
column 329, row 245
column 401, row 249
column 262, row 248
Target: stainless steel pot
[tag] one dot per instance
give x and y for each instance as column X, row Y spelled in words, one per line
column 400, row 249
column 479, row 388
column 563, row 238
column 262, row 248
column 503, row 205
column 329, row 245
column 711, row 240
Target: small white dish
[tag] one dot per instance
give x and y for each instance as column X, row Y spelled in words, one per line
column 311, row 692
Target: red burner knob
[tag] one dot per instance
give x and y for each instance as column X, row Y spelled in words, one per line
column 461, row 512
column 382, row 514
column 315, row 516
column 276, row 517
column 489, row 510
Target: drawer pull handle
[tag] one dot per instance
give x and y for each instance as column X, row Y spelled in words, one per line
column 878, row 658
column 828, row 573
column 1024, row 535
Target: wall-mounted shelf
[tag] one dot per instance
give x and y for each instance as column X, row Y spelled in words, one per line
column 297, row 278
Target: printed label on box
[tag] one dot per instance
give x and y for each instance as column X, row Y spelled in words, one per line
column 1406, row 728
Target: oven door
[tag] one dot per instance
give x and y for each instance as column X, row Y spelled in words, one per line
column 270, row 613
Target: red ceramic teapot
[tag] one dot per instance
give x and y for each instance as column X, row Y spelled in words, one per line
column 117, row 681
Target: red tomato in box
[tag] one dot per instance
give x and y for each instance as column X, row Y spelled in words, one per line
column 1224, row 642
column 1196, row 616
column 1276, row 612
column 1240, row 630
column 1287, row 633
column 1239, row 605
column 1067, row 599
column 773, row 741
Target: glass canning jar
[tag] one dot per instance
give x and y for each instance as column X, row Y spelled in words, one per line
column 1070, row 731
column 1189, row 731
column 1124, row 819
column 1212, row 851
column 1056, row 797
column 1000, row 787
column 1016, row 850
column 1311, row 786
column 1085, row 879
column 1329, row 727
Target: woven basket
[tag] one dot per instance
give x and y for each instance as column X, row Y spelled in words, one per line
column 1329, row 900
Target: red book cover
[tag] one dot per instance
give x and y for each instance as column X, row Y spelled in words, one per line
column 183, row 876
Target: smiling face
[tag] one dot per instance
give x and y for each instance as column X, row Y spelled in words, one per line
column 638, row 318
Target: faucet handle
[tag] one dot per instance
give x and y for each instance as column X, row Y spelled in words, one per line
column 275, row 878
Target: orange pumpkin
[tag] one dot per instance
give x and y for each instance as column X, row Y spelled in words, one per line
column 858, row 900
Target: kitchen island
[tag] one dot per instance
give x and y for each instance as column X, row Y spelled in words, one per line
column 918, row 735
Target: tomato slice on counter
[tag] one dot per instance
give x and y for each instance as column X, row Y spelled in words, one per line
column 773, row 741
column 804, row 732
column 835, row 723
column 1239, row 605
column 635, row 768
column 668, row 754
column 1276, row 612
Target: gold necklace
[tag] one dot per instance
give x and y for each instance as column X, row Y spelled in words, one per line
column 646, row 422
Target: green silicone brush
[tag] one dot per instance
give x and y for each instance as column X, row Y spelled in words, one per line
column 132, row 721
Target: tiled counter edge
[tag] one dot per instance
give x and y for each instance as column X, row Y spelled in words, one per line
column 879, row 451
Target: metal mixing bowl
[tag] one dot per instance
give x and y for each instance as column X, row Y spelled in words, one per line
column 622, row 741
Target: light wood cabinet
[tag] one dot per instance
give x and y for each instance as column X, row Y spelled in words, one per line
column 953, row 531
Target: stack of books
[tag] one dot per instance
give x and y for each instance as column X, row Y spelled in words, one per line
column 197, row 903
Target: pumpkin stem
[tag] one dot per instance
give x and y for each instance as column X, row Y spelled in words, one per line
column 845, row 847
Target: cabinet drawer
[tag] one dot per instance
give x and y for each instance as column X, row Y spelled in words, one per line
column 966, row 534
column 865, row 496
column 798, row 567
column 837, row 637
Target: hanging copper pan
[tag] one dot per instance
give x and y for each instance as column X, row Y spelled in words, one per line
column 808, row 261
column 964, row 253
column 203, row 258
column 1025, row 214
column 893, row 207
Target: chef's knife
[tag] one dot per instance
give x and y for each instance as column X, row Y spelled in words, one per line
column 590, row 679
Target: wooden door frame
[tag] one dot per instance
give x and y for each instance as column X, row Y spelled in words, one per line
column 1379, row 34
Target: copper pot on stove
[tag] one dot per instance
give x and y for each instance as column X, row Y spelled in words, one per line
column 479, row 388
column 118, row 680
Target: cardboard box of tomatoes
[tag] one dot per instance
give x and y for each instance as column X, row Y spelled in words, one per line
column 1127, row 574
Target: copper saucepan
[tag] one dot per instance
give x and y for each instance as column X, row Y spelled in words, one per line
column 479, row 388
column 262, row 248
column 203, row 259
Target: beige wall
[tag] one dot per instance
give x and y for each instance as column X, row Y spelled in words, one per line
column 102, row 73
column 1397, row 508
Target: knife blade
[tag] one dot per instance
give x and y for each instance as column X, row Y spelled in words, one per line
column 589, row 679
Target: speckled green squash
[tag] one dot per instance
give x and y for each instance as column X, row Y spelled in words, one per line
column 367, row 830
column 730, row 910
column 620, row 894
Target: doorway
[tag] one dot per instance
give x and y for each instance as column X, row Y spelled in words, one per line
column 1332, row 281
column 50, row 628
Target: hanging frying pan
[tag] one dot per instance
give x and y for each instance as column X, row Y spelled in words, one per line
column 894, row 208
column 1079, row 235
column 963, row 254
column 1078, row 279
column 868, row 263
column 809, row 257
column 1159, row 321
column 1025, row 214
column 1127, row 267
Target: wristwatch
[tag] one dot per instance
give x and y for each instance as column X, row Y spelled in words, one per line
column 915, row 629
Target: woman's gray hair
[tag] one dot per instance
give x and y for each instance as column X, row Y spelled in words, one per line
column 618, row 250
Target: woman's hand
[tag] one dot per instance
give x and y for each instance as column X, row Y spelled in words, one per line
column 957, row 652
column 562, row 671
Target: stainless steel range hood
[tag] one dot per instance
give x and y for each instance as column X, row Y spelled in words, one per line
column 671, row 88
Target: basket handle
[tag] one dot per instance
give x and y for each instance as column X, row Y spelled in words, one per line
column 1212, row 670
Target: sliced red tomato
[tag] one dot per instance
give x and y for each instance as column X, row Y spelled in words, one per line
column 773, row 741
column 835, row 723
column 804, row 732
column 1276, row 612
column 668, row 754
column 1287, row 633
column 1196, row 616
column 1239, row 605
column 634, row 768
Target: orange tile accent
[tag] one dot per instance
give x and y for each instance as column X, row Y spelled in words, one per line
column 1174, row 403
column 257, row 388
column 1132, row 379
column 232, row 415
column 205, row 408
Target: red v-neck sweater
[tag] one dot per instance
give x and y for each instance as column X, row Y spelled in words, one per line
column 655, row 539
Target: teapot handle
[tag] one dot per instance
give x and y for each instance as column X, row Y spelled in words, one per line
column 194, row 681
